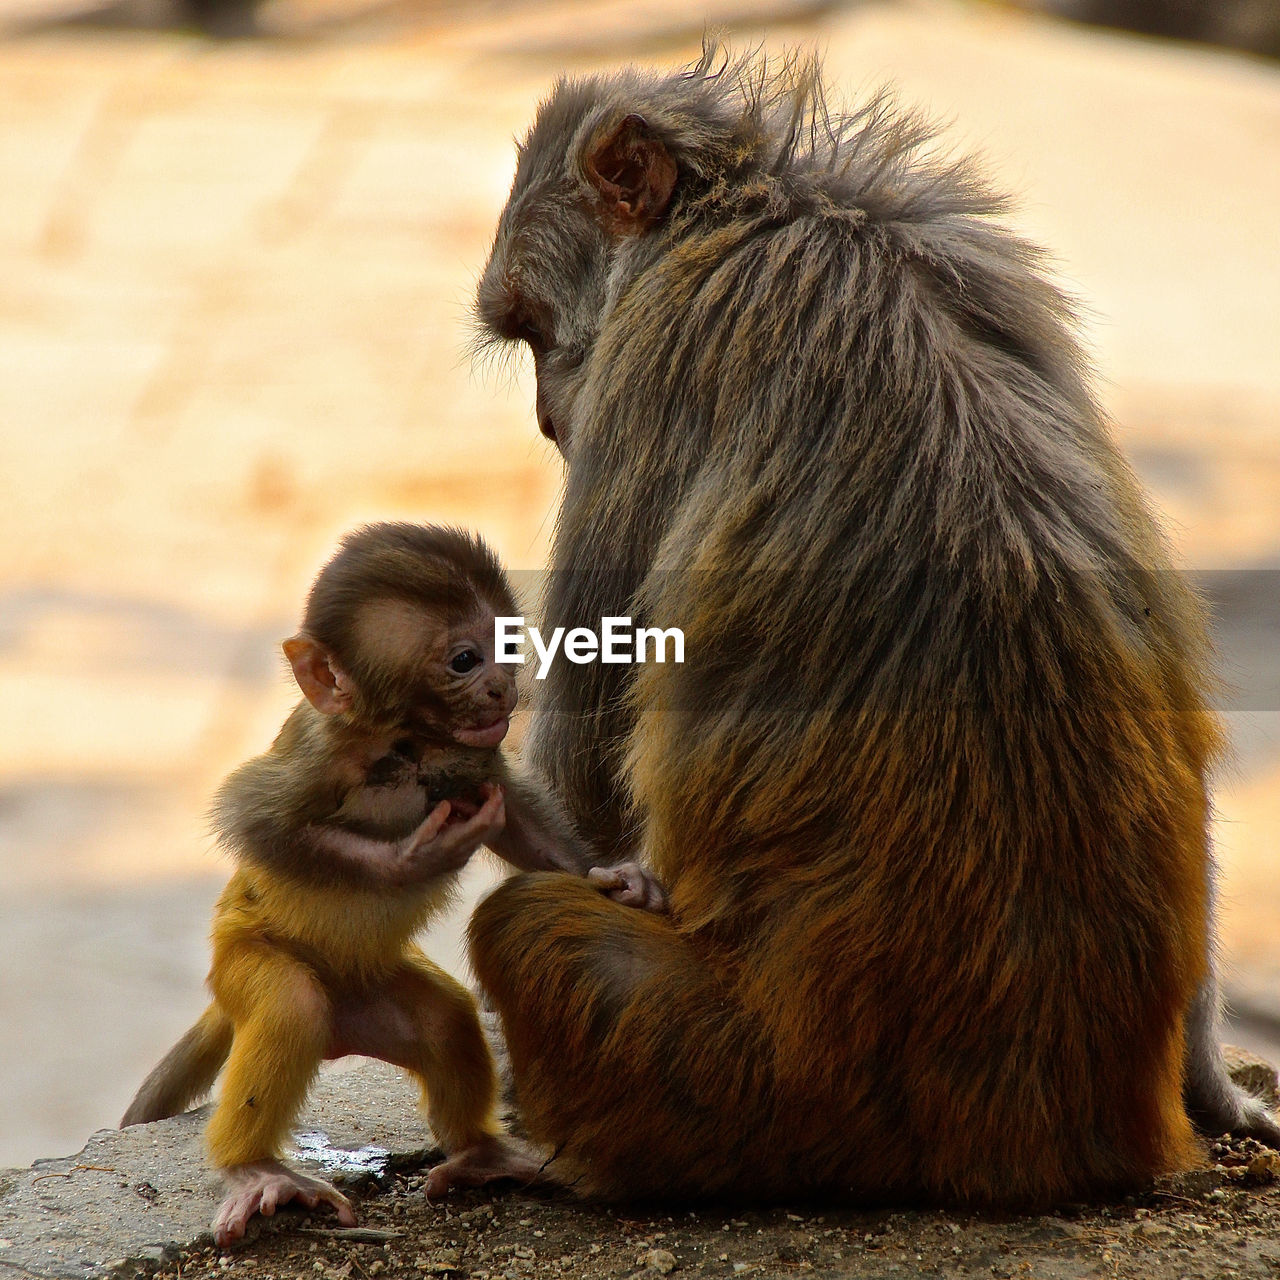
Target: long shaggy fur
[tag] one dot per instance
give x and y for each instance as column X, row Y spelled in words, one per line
column 929, row 791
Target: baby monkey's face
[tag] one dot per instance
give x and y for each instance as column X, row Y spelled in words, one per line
column 410, row 680
column 478, row 691
column 456, row 690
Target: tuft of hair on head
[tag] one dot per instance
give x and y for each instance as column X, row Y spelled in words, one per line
column 448, row 572
column 743, row 131
column 733, row 116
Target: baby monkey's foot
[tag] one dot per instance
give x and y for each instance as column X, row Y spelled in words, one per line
column 489, row 1160
column 262, row 1187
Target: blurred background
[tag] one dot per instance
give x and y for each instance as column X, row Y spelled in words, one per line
column 237, row 247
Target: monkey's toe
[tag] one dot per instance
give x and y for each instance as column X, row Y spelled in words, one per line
column 493, row 1160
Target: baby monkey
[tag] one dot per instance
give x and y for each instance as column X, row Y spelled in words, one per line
column 349, row 833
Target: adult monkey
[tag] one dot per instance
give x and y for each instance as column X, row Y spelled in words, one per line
column 929, row 793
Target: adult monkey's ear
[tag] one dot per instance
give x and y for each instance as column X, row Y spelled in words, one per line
column 634, row 174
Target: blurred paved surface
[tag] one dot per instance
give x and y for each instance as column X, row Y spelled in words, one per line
column 233, row 323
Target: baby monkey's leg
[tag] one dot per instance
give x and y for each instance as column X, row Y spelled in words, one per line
column 424, row 1021
column 281, row 1014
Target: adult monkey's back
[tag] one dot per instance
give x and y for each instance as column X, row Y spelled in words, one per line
column 929, row 791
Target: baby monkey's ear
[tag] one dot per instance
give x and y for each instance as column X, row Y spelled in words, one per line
column 323, row 683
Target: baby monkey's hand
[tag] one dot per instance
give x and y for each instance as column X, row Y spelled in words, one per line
column 630, row 884
column 448, row 836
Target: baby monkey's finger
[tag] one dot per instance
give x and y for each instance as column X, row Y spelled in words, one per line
column 431, row 826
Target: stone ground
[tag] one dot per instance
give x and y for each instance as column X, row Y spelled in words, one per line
column 233, row 323
column 137, row 1203
column 1206, row 1227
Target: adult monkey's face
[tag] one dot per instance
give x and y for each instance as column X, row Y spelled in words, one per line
column 585, row 191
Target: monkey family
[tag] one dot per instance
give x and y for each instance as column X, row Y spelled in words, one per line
column 929, row 798
column 348, row 833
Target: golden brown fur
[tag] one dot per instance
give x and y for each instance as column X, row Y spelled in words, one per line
column 345, row 850
column 929, row 793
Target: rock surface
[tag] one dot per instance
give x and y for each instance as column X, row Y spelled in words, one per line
column 140, row 1200
column 143, row 1194
column 1253, row 1073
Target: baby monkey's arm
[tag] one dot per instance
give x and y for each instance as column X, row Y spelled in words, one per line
column 539, row 836
column 437, row 847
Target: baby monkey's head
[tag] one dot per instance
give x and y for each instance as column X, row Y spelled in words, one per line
column 398, row 635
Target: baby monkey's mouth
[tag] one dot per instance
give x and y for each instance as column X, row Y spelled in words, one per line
column 487, row 735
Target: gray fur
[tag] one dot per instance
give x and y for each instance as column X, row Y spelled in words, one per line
column 830, row 417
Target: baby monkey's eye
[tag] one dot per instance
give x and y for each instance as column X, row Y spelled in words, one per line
column 464, row 661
